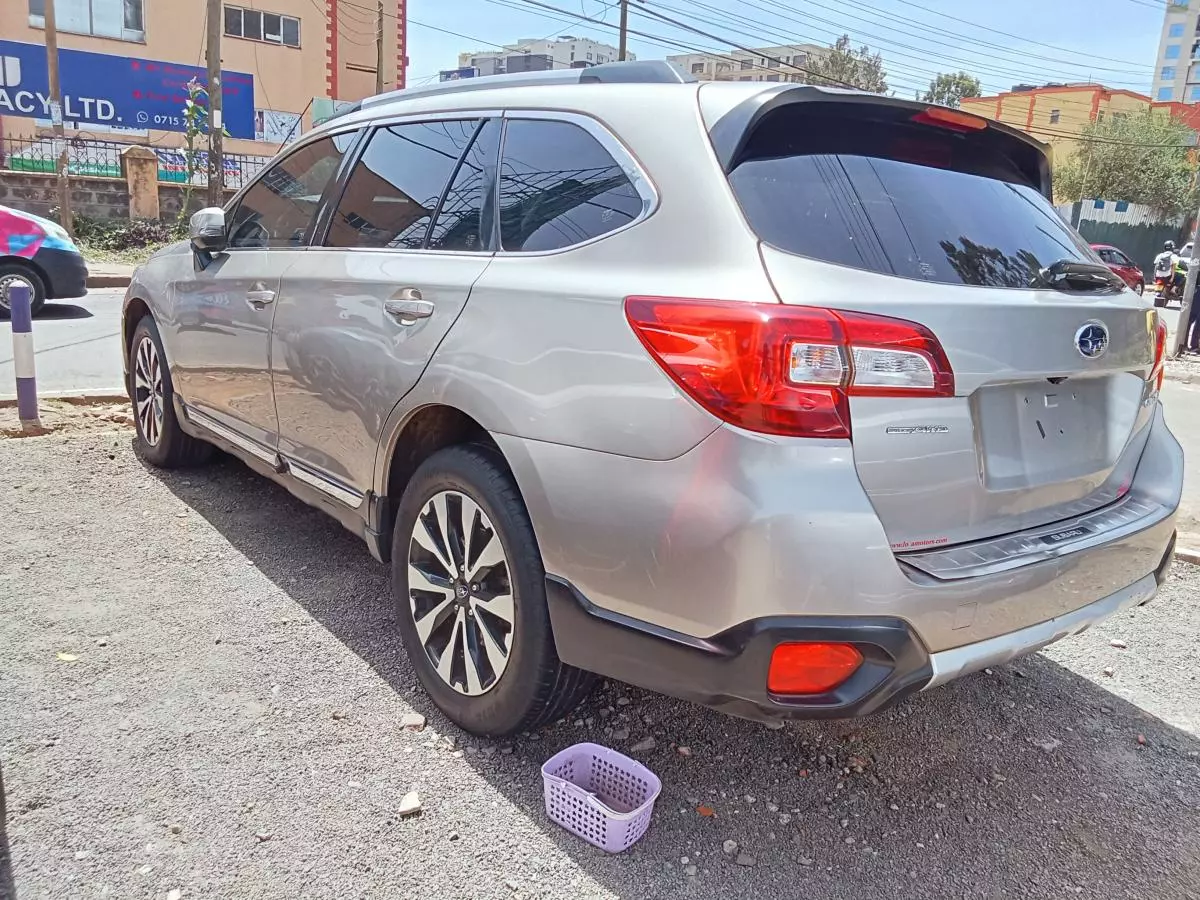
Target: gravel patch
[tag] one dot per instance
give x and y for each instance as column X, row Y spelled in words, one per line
column 204, row 695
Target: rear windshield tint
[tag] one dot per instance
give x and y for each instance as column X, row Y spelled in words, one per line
column 903, row 199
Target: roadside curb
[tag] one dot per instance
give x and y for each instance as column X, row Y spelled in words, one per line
column 108, row 281
column 77, row 398
column 1188, row 555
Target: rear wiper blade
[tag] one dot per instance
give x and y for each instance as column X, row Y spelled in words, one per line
column 1074, row 275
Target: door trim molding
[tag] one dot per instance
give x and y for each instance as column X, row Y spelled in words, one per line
column 324, row 484
column 249, row 445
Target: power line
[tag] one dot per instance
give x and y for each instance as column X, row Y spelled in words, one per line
column 1005, row 33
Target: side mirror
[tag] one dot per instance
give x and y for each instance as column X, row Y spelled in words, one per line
column 207, row 230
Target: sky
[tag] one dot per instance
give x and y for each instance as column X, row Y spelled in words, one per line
column 1113, row 42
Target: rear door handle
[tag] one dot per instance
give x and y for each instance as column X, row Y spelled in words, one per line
column 259, row 299
column 406, row 307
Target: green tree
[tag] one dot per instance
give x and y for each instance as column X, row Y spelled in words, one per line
column 1147, row 159
column 950, row 89
column 841, row 65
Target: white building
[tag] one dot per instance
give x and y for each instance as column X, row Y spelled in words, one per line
column 784, row 63
column 539, row 54
column 1177, row 66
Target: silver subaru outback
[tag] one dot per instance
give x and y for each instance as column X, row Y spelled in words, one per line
column 783, row 400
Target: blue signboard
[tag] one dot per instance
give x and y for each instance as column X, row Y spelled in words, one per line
column 458, row 74
column 99, row 89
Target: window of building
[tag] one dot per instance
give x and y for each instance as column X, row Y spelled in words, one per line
column 772, row 63
column 800, row 59
column 280, row 208
column 120, row 19
column 772, row 77
column 589, row 56
column 467, row 206
column 1175, row 30
column 746, row 78
column 1172, row 52
column 1167, row 73
column 1055, row 115
column 559, row 186
column 1119, row 116
column 747, row 64
column 1164, row 93
column 1193, row 93
column 395, row 188
column 256, row 25
column 697, row 68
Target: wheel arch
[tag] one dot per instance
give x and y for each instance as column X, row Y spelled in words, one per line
column 423, row 432
column 24, row 262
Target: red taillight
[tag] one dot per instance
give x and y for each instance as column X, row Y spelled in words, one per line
column 790, row 370
column 1160, row 356
column 811, row 668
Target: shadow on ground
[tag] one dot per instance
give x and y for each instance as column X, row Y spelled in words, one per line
column 1031, row 781
column 63, row 311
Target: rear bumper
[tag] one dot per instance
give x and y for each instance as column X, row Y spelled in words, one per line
column 728, row 671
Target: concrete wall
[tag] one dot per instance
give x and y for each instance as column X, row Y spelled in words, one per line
column 170, row 200
column 98, row 198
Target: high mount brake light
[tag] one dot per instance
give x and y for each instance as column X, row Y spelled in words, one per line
column 952, row 119
column 787, row 370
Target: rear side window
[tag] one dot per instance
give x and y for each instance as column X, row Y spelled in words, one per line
column 394, row 190
column 559, row 187
column 903, row 199
column 460, row 221
column 280, row 208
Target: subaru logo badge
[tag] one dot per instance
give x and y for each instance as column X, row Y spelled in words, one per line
column 1092, row 340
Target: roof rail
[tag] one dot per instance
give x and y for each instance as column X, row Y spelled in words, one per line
column 654, row 71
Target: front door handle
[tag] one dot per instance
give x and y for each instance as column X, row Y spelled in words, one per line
column 407, row 306
column 259, row 299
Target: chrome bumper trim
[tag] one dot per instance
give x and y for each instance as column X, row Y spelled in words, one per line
column 1012, row 551
column 950, row 664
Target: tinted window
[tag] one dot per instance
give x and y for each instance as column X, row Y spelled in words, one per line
column 459, row 222
column 920, row 202
column 395, row 187
column 559, row 186
column 279, row 208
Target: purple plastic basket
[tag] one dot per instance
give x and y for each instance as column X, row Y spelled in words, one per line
column 599, row 794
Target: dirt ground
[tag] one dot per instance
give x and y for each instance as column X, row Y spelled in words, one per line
column 201, row 689
column 66, row 417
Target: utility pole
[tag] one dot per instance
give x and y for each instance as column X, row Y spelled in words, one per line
column 1189, row 289
column 379, row 48
column 623, row 41
column 216, row 127
column 56, row 119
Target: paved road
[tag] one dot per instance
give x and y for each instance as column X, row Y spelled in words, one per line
column 77, row 343
column 230, row 728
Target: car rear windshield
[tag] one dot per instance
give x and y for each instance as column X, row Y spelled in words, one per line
column 918, row 201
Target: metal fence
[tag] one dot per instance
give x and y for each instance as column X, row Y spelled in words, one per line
column 103, row 159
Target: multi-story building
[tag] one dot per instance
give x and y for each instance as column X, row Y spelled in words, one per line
column 540, row 54
column 786, row 63
column 1057, row 114
column 125, row 64
column 1177, row 66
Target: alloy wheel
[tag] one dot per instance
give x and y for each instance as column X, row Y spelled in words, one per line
column 460, row 593
column 14, row 279
column 148, row 391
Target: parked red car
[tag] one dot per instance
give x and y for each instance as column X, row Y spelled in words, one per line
column 1122, row 265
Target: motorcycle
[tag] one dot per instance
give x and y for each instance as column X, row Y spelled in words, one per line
column 1166, row 287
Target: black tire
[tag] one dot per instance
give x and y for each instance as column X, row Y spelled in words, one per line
column 1139, row 288
column 173, row 449
column 535, row 687
column 28, row 273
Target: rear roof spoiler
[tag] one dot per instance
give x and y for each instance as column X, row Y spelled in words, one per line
column 730, row 133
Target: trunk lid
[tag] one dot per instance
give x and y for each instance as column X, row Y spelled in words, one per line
column 942, row 221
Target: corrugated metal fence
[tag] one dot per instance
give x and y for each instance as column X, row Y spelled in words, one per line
column 1134, row 229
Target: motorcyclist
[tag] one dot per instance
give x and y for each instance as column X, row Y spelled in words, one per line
column 1169, row 265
